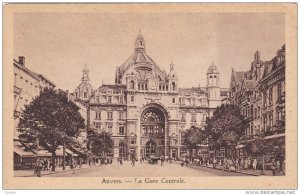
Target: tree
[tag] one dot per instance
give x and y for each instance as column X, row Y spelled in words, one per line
column 100, row 143
column 193, row 137
column 50, row 120
column 226, row 126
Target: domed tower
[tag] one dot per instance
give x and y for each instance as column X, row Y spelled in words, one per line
column 213, row 86
column 173, row 79
column 84, row 89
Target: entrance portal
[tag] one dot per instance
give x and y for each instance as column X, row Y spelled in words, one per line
column 150, row 149
column 153, row 121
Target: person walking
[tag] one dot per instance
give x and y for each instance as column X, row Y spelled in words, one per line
column 254, row 164
column 273, row 167
column 283, row 167
column 141, row 160
column 133, row 161
column 162, row 160
column 38, row 168
column 224, row 164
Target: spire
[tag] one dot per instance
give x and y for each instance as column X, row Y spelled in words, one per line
column 139, row 42
column 172, row 65
column 85, row 74
column 212, row 69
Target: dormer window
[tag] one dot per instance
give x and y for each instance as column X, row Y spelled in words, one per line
column 131, row 85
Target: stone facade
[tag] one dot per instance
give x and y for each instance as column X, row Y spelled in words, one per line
column 145, row 111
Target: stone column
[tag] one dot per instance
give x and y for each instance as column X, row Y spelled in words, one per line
column 166, row 137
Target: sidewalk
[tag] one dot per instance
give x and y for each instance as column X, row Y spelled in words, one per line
column 29, row 172
column 247, row 172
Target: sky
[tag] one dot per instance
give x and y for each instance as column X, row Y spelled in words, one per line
column 59, row 45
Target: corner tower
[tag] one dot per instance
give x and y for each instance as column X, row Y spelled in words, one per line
column 213, row 86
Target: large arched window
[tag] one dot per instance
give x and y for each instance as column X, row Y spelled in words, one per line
column 152, row 122
column 121, row 150
column 131, row 85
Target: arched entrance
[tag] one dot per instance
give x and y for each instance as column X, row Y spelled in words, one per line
column 153, row 128
column 150, row 148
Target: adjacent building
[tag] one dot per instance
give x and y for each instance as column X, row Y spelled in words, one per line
column 145, row 110
column 27, row 85
column 260, row 95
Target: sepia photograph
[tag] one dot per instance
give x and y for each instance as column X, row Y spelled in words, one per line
column 150, row 95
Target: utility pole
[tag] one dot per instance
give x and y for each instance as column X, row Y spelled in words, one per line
column 64, row 155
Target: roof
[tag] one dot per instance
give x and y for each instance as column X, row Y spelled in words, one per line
column 197, row 90
column 212, row 69
column 251, row 84
column 114, row 88
column 85, row 84
column 240, row 76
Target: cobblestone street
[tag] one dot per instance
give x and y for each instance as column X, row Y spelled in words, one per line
column 143, row 170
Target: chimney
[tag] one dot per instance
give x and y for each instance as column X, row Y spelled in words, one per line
column 22, row 60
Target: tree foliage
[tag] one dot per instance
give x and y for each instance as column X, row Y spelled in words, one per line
column 226, row 126
column 49, row 121
column 100, row 142
column 193, row 137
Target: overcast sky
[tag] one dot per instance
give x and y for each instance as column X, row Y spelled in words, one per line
column 59, row 45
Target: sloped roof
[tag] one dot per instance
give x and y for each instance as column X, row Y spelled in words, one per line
column 114, row 88
column 240, row 76
column 251, row 84
column 212, row 69
column 197, row 90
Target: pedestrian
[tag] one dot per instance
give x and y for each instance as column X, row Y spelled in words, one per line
column 162, row 160
column 141, row 160
column 254, row 164
column 273, row 167
column 214, row 162
column 182, row 163
column 283, row 167
column 278, row 166
column 224, row 164
column 133, row 161
column 38, row 168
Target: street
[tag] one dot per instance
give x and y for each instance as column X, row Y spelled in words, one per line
column 143, row 170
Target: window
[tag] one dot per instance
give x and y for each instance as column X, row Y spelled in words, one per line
column 98, row 114
column 109, row 99
column 121, row 115
column 15, row 81
column 131, row 85
column 279, row 91
column 255, row 113
column 258, row 112
column 270, row 96
column 271, row 120
column 121, row 150
column 133, row 141
column 265, row 100
column 132, row 98
column 85, row 94
column 193, row 102
column 97, row 99
column 251, row 110
column 173, row 100
column 109, row 115
column 204, row 117
column 121, row 130
column 193, row 119
column 109, row 128
column 173, row 86
column 97, row 125
column 182, row 138
column 265, row 122
column 183, row 116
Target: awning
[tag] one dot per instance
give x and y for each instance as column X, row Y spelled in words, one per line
column 202, row 145
column 20, row 150
column 275, row 136
column 43, row 153
column 239, row 146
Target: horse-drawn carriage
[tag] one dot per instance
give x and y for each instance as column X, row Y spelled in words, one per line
column 153, row 160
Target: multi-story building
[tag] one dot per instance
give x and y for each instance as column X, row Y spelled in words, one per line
column 259, row 93
column 146, row 111
column 27, row 85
